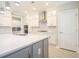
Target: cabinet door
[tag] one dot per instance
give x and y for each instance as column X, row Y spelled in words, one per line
column 45, row 48
column 5, row 21
column 23, row 53
column 38, row 50
column 33, row 19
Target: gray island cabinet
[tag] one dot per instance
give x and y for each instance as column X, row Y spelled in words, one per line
column 35, row 50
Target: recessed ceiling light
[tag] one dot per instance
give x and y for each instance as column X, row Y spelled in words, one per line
column 49, row 14
column 34, row 8
column 17, row 4
column 8, row 8
column 25, row 11
column 7, row 5
column 47, row 4
column 36, row 16
column 54, row 12
column 2, row 12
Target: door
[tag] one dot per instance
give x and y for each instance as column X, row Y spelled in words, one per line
column 38, row 50
column 68, row 29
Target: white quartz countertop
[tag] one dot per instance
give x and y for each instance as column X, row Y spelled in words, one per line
column 10, row 43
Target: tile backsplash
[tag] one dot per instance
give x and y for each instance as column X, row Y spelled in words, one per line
column 5, row 29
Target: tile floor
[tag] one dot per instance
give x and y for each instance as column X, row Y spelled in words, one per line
column 61, row 53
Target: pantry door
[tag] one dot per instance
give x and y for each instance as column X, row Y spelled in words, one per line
column 68, row 29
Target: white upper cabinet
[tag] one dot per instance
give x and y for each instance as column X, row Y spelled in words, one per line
column 33, row 19
column 16, row 21
column 51, row 18
column 5, row 19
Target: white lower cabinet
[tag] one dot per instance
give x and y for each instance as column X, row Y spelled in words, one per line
column 36, row 50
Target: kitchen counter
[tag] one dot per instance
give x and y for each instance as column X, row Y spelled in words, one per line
column 10, row 43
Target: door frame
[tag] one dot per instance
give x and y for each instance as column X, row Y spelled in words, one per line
column 58, row 36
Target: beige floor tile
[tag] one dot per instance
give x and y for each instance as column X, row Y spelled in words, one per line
column 61, row 53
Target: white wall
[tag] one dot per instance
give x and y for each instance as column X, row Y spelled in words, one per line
column 70, row 5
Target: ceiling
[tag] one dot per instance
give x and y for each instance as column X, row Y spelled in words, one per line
column 26, row 6
column 36, row 5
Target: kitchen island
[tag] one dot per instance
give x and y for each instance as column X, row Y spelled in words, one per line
column 28, row 46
